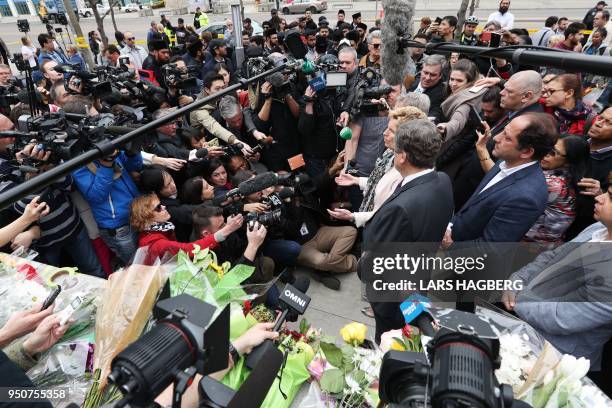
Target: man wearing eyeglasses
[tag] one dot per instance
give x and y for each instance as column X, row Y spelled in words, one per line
column 136, row 53
column 372, row 58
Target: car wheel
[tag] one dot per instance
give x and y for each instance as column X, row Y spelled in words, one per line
column 87, row 14
column 286, row 10
column 313, row 10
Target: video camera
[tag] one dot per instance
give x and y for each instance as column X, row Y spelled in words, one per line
column 369, row 86
column 459, row 370
column 181, row 79
column 9, row 95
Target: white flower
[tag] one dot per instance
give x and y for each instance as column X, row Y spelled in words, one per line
column 353, row 385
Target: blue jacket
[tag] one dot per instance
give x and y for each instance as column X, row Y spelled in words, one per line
column 109, row 193
column 505, row 211
column 54, row 56
column 567, row 296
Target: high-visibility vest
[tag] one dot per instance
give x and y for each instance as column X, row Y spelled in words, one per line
column 171, row 35
column 203, row 19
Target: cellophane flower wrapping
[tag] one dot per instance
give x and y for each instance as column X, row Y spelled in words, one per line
column 299, row 349
column 201, row 277
column 123, row 312
column 67, row 365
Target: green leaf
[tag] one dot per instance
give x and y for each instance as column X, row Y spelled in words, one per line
column 359, row 376
column 347, row 358
column 332, row 381
column 304, row 326
column 333, row 354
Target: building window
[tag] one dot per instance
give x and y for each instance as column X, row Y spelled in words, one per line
column 6, row 11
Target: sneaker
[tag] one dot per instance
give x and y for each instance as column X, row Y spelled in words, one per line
column 327, row 279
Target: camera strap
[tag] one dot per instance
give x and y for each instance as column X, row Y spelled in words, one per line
column 280, row 374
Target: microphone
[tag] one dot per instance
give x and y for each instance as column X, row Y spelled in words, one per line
column 201, row 153
column 293, row 301
column 396, row 63
column 415, row 312
column 286, row 193
column 67, row 69
column 276, row 79
column 259, row 183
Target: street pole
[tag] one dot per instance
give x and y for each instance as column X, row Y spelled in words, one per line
column 81, row 41
column 239, row 49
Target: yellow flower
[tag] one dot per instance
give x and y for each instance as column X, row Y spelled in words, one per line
column 354, row 333
column 396, row 345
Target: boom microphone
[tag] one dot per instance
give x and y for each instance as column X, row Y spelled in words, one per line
column 396, row 62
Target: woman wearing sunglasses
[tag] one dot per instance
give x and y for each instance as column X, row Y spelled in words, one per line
column 151, row 219
column 563, row 168
column 563, row 95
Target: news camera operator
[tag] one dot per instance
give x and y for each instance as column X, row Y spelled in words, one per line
column 283, row 251
column 278, row 111
column 61, row 229
column 9, row 88
column 182, row 86
column 204, row 118
column 234, row 248
column 108, row 187
column 317, row 125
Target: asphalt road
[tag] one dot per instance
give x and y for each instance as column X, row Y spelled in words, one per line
column 525, row 12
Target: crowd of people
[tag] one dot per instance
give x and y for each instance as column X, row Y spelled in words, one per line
column 466, row 150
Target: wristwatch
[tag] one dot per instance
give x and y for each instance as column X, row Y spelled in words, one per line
column 234, row 353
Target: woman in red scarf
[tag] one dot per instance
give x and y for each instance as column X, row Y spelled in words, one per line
column 150, row 217
column 563, row 99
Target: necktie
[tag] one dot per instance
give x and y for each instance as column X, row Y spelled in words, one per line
column 398, row 187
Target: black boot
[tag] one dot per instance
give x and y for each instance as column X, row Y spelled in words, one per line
column 328, row 279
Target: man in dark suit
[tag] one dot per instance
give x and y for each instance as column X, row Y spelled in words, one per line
column 430, row 82
column 418, row 210
column 513, row 194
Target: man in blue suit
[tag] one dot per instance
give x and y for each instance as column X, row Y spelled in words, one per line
column 513, row 194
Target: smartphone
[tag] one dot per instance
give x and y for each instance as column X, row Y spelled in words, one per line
column 485, row 36
column 438, row 20
column 70, row 309
column 495, row 40
column 51, row 298
column 478, row 119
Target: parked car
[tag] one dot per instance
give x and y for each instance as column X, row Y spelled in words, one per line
column 300, row 6
column 88, row 12
column 217, row 27
column 204, row 5
column 130, row 8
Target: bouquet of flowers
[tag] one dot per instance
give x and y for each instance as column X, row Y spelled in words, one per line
column 299, row 350
column 347, row 374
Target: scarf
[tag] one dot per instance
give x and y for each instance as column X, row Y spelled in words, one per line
column 383, row 164
column 160, row 227
column 568, row 117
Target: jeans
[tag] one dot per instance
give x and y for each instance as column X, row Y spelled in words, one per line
column 283, row 252
column 122, row 241
column 80, row 249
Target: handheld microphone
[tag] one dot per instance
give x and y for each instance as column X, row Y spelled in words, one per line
column 67, row 69
column 293, row 301
column 259, row 183
column 396, row 63
column 201, row 153
column 415, row 312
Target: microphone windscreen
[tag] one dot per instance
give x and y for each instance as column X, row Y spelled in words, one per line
column 286, row 193
column 277, row 79
column 302, row 283
column 397, row 23
column 259, row 183
column 201, row 153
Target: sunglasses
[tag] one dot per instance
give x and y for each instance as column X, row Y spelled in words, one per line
column 376, row 46
column 131, row 38
column 554, row 153
column 159, row 208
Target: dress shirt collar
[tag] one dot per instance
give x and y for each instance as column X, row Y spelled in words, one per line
column 600, row 235
column 503, row 168
column 411, row 177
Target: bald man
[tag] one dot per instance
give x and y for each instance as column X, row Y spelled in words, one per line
column 520, row 95
column 136, row 53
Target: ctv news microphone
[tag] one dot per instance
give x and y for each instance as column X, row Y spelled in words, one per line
column 415, row 313
column 396, row 62
column 293, row 301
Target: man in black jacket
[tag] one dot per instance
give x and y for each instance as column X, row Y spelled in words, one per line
column 590, row 15
column 159, row 57
column 431, row 83
column 418, row 210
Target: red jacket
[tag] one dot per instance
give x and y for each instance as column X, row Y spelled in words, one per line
column 160, row 243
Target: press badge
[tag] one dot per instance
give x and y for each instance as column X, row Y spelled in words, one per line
column 304, row 229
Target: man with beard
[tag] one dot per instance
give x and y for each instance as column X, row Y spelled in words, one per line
column 159, row 56
column 503, row 16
